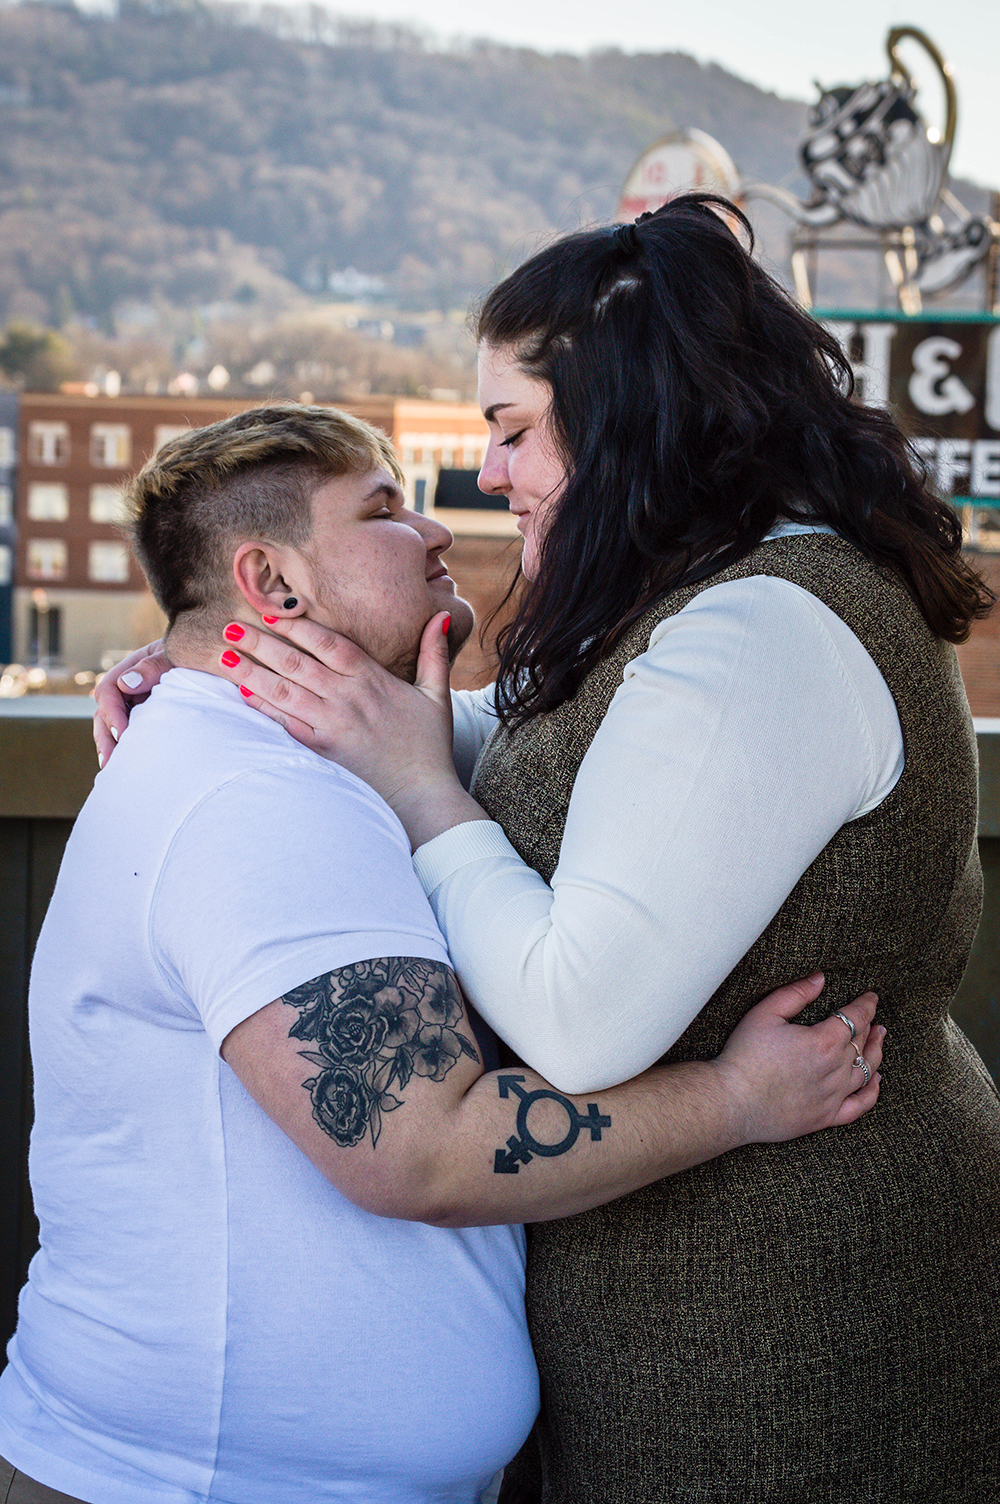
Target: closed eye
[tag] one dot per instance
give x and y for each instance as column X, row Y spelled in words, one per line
column 507, row 443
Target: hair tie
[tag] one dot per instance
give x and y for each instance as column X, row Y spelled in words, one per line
column 626, row 238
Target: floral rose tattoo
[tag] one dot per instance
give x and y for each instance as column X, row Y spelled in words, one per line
column 373, row 1026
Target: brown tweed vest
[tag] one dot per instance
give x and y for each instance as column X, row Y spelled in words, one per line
column 796, row 1323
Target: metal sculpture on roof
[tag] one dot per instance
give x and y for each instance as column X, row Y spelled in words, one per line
column 872, row 161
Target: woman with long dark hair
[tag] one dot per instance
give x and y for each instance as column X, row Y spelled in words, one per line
column 728, row 744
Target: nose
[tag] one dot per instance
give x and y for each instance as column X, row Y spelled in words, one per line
column 437, row 538
column 493, row 479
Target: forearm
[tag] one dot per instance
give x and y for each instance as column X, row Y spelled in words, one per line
column 416, row 1131
column 514, row 1150
column 371, row 1070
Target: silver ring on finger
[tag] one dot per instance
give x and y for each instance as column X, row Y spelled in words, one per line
column 845, row 1020
column 861, row 1064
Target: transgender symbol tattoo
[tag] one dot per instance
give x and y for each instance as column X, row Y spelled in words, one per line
column 374, row 1026
column 523, row 1145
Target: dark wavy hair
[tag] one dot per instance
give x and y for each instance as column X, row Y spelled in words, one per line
column 695, row 404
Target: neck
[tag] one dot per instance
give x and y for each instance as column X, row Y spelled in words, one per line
column 199, row 643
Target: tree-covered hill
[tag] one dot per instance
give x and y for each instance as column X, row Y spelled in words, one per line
column 181, row 152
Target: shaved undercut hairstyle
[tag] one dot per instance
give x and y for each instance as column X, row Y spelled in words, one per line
column 251, row 476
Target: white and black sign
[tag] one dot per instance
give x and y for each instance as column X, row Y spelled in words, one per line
column 940, row 376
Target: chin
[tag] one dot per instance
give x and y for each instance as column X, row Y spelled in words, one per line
column 462, row 622
column 404, row 665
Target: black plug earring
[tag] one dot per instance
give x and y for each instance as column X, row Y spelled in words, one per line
column 290, row 603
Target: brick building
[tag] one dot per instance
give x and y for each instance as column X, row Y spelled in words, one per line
column 979, row 658
column 79, row 597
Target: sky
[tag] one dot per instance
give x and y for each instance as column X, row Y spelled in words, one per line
column 783, row 45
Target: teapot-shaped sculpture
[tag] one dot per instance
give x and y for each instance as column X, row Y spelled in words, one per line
column 872, row 161
column 869, row 155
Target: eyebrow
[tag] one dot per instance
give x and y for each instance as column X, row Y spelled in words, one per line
column 490, row 412
column 384, row 488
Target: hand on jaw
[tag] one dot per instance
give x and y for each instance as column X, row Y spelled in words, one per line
column 335, row 699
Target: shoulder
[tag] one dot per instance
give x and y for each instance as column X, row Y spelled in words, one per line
column 229, row 764
column 772, row 646
column 761, row 616
column 769, row 652
column 306, row 811
column 278, row 875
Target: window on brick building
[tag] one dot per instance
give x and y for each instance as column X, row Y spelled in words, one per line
column 6, row 505
column 8, row 448
column 165, row 431
column 108, row 563
column 110, row 444
column 107, row 504
column 48, row 501
column 6, row 564
column 44, row 632
column 48, row 443
column 460, row 488
column 981, row 526
column 46, row 559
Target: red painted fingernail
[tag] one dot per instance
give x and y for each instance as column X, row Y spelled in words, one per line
column 233, row 632
column 269, row 620
column 445, row 625
column 230, row 659
column 246, row 693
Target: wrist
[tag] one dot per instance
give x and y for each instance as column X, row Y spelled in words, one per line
column 431, row 809
column 733, row 1095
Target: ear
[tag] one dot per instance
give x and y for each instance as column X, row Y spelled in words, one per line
column 266, row 576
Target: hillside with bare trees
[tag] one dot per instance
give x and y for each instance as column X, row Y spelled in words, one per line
column 178, row 153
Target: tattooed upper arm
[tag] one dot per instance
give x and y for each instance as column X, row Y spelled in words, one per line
column 343, row 1050
column 371, row 1027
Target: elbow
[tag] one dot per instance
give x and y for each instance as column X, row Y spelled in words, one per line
column 405, row 1206
column 433, row 1210
column 409, row 1194
column 575, row 1071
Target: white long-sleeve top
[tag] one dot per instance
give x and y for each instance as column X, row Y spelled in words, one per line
column 752, row 729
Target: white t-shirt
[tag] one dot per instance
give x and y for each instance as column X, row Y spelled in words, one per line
column 208, row 1319
column 752, row 729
